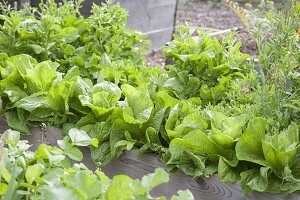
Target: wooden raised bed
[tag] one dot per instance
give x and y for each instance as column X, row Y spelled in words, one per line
column 130, row 163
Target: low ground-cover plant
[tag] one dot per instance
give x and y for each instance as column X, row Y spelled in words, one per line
column 48, row 174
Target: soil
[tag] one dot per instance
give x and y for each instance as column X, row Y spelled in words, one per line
column 208, row 14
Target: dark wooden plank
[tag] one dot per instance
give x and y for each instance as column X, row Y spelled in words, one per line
column 203, row 188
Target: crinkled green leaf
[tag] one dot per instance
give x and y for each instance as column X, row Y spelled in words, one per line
column 226, row 172
column 225, row 130
column 255, row 179
column 103, row 98
column 58, row 96
column 280, row 149
column 139, row 105
column 191, row 164
column 40, row 77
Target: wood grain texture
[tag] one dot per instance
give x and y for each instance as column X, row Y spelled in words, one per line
column 136, row 166
column 202, row 188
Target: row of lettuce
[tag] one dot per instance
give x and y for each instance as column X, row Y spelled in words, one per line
column 212, row 111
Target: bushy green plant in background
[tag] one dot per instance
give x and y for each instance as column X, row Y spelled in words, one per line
column 278, row 44
column 61, row 34
column 208, row 64
column 274, row 27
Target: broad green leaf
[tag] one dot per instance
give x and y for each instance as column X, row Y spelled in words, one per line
column 105, row 181
column 171, row 122
column 68, row 34
column 69, row 149
column 54, row 193
column 138, row 189
column 86, row 183
column 163, row 99
column 33, row 172
column 11, row 187
column 73, row 72
column 225, row 130
column 112, row 91
column 14, row 93
column 58, row 96
column 292, row 184
column 74, row 153
column 152, row 136
column 249, row 146
column 191, row 164
column 199, row 143
column 190, row 123
column 79, row 137
column 280, row 149
column 16, row 121
column 22, row 63
column 55, row 156
column 184, row 118
column 11, row 137
column 5, row 174
column 30, row 103
column 35, row 48
column 119, row 188
column 151, row 181
column 40, row 77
